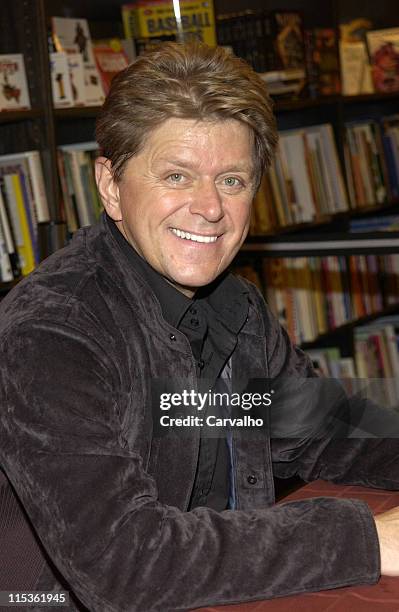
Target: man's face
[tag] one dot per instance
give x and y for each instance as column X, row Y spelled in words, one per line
column 184, row 201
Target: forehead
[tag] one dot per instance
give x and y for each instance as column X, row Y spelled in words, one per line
column 212, row 143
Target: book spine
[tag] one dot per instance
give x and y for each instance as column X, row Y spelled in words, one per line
column 20, row 224
column 29, row 214
column 6, row 273
column 38, row 188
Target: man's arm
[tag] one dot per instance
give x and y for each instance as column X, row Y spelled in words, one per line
column 370, row 461
column 97, row 512
column 312, row 421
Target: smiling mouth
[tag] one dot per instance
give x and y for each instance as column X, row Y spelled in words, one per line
column 193, row 237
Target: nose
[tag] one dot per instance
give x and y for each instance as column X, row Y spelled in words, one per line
column 207, row 202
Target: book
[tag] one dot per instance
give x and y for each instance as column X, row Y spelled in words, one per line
column 355, row 68
column 287, row 31
column 263, row 220
column 312, row 295
column 354, row 59
column 81, row 199
column 14, row 93
column 155, row 19
column 383, row 46
column 29, row 162
column 110, row 59
column 8, row 230
column 20, row 222
column 73, row 36
column 69, row 212
column 19, row 168
column 325, row 62
column 7, row 248
column 367, row 168
column 60, row 80
column 293, row 145
column 390, row 145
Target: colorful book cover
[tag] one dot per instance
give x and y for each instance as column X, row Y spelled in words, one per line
column 158, row 18
column 73, row 36
column 325, row 59
column 20, row 223
column 288, row 35
column 14, row 93
column 30, row 163
column 110, row 59
column 355, row 68
column 383, row 48
column 19, row 167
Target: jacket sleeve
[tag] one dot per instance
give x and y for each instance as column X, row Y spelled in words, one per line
column 96, row 511
column 319, row 431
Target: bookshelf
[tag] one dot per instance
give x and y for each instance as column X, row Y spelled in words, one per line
column 25, row 25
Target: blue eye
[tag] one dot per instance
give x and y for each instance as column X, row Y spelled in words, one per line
column 175, row 177
column 231, row 181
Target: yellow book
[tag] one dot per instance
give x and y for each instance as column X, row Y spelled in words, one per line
column 157, row 18
column 20, row 223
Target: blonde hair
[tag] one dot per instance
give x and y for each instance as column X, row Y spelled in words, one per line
column 190, row 81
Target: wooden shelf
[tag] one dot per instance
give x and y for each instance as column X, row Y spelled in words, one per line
column 89, row 112
column 300, row 103
column 377, row 97
column 340, row 243
column 282, row 105
column 12, row 116
column 350, row 325
column 324, row 222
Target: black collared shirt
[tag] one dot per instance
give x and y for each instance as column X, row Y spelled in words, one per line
column 211, row 322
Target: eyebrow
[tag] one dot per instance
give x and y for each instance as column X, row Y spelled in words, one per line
column 192, row 165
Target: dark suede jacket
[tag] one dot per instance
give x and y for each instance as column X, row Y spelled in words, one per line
column 81, row 339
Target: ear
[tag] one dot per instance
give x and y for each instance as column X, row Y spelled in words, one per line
column 108, row 188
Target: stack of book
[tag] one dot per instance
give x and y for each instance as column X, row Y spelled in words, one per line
column 377, row 357
column 329, row 362
column 365, row 164
column 75, row 75
column 272, row 42
column 81, row 202
column 314, row 295
column 390, row 139
column 375, row 364
column 304, row 183
column 23, row 205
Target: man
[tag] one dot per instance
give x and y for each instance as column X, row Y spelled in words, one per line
column 133, row 519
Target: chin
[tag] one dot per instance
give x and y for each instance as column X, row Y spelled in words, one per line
column 193, row 282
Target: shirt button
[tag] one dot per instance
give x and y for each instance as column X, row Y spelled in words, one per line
column 194, row 322
column 172, row 337
column 201, row 364
column 252, row 479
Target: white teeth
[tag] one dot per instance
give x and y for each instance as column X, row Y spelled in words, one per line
column 193, row 237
